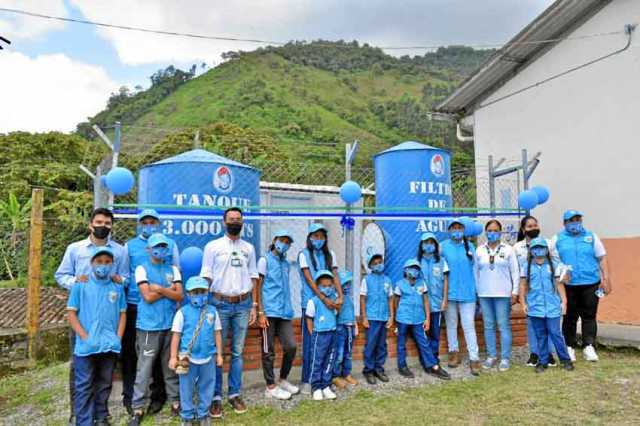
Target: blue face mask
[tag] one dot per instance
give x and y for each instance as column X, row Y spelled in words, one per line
column 412, row 273
column 574, row 227
column 378, row 269
column 281, row 247
column 160, row 252
column 539, row 251
column 146, row 231
column 456, row 235
column 429, row 248
column 317, row 244
column 102, row 272
column 198, row 300
column 493, row 236
column 327, row 291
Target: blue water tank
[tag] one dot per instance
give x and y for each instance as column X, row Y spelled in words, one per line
column 203, row 179
column 409, row 175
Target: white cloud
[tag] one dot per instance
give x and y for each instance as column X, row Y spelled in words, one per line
column 20, row 27
column 49, row 92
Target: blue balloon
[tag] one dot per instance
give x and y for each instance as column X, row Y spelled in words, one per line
column 542, row 192
column 191, row 260
column 468, row 226
column 350, row 192
column 527, row 199
column 120, row 180
column 477, row 229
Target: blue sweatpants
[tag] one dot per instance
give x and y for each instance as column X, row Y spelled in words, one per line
column 375, row 350
column 322, row 359
column 93, row 376
column 549, row 328
column 533, row 341
column 422, row 342
column 306, row 349
column 200, row 381
column 345, row 335
column 434, row 334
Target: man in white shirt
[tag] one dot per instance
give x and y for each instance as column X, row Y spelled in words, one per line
column 229, row 264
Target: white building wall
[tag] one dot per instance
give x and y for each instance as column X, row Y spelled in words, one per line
column 585, row 124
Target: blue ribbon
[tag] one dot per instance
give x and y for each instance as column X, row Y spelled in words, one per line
column 347, row 223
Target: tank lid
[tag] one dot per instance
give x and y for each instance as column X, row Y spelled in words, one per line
column 199, row 156
column 409, row 146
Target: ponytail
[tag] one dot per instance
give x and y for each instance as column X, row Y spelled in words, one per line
column 466, row 249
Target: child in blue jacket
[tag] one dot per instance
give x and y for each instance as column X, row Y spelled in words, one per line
column 544, row 300
column 346, row 332
column 412, row 317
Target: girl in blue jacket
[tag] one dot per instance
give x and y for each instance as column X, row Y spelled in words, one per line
column 544, row 300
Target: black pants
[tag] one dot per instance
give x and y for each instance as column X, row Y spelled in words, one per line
column 582, row 303
column 129, row 361
column 283, row 329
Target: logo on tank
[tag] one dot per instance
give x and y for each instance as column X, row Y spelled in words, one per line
column 437, row 165
column 223, row 179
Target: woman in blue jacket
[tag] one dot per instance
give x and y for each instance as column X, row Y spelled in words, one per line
column 460, row 255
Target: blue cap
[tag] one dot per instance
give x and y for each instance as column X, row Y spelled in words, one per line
column 101, row 250
column 571, row 213
column 148, row 213
column 454, row 221
column 412, row 263
column 282, row 233
column 315, row 227
column 322, row 273
column 371, row 256
column 345, row 277
column 538, row 242
column 196, row 282
column 428, row 235
column 157, row 239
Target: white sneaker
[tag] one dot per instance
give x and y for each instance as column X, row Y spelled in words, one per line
column 277, row 393
column 590, row 353
column 572, row 353
column 327, row 393
column 306, row 389
column 317, row 395
column 288, row 387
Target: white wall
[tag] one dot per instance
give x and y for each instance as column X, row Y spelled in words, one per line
column 585, row 124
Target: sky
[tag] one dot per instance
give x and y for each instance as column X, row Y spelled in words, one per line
column 56, row 74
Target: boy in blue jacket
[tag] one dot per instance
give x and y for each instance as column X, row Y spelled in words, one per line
column 97, row 314
column 346, row 332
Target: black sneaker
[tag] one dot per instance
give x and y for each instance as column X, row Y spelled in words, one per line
column 381, row 376
column 540, row 368
column 568, row 365
column 136, row 419
column 552, row 361
column 438, row 372
column 370, row 378
column 155, row 407
column 405, row 372
column 533, row 360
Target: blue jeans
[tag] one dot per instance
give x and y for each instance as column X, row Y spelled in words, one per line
column 434, row 334
column 200, row 380
column 323, row 359
column 93, row 376
column 420, row 337
column 533, row 341
column 549, row 328
column 345, row 335
column 306, row 349
column 234, row 318
column 375, row 350
column 497, row 311
column 467, row 312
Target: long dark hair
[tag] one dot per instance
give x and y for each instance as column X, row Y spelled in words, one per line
column 523, row 222
column 436, row 254
column 491, row 222
column 325, row 249
column 553, row 273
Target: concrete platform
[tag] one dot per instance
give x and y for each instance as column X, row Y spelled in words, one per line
column 619, row 335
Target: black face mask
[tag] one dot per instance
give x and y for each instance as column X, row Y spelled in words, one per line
column 234, row 228
column 101, row 232
column 532, row 233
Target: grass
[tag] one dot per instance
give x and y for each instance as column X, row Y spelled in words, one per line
column 604, row 393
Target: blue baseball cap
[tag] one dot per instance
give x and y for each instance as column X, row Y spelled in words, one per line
column 194, row 283
column 322, row 273
column 148, row 213
column 345, row 277
column 157, row 239
column 538, row 242
column 282, row 233
column 428, row 235
column 454, row 221
column 101, row 250
column 315, row 227
column 372, row 255
column 412, row 263
column 570, row 214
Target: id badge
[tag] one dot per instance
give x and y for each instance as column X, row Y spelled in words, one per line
column 236, row 260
